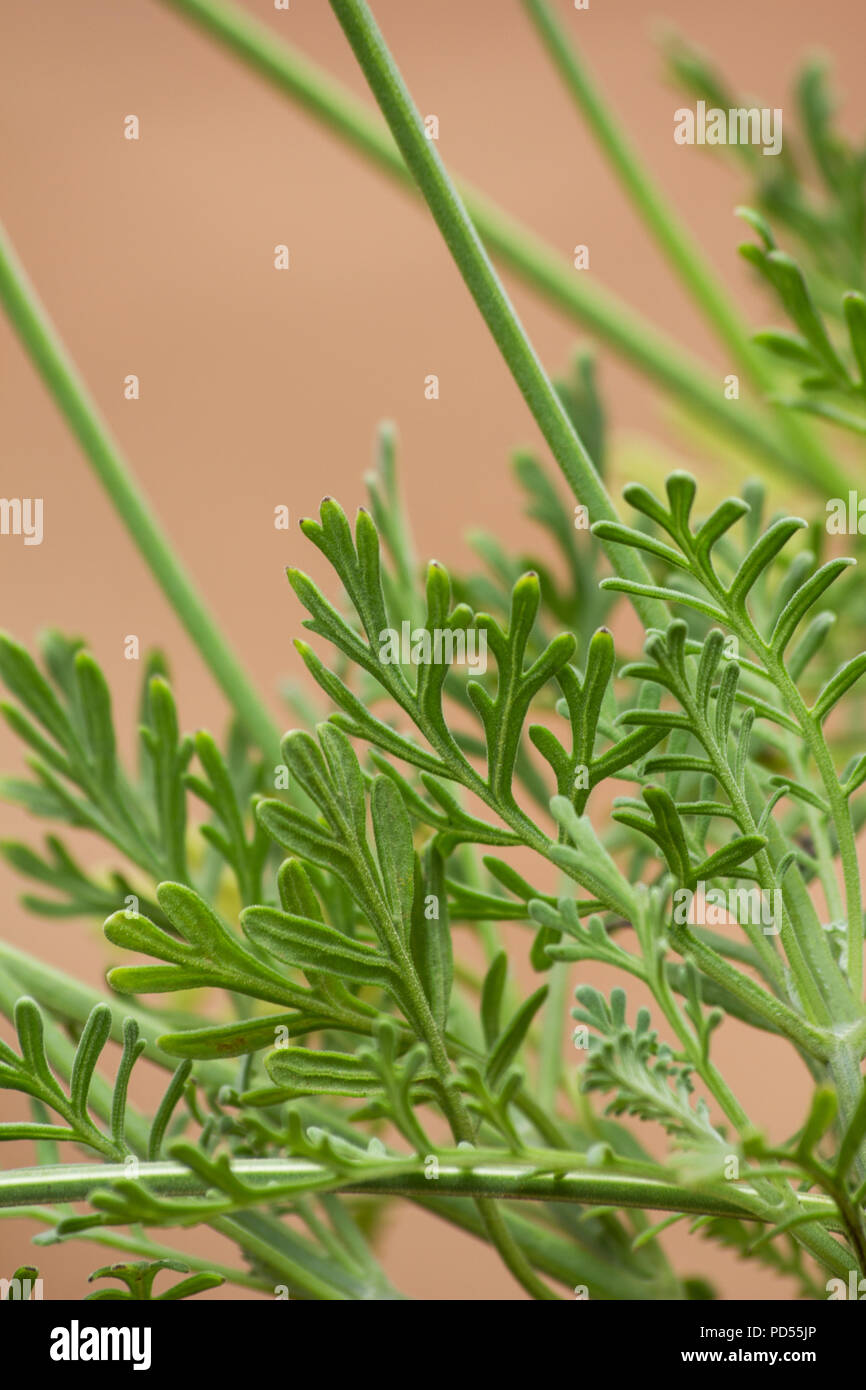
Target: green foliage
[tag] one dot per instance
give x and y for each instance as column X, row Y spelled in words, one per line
column 139, row 1277
column 328, row 1046
column 827, row 374
column 31, row 1074
column 641, row 1072
column 828, row 218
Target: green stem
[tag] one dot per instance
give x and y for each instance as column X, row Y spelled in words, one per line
column 48, row 354
column 676, row 243
column 839, row 810
column 810, row 960
column 454, row 1109
column 814, row 1041
column 546, row 1176
column 481, row 280
column 776, row 1188
column 528, row 256
column 842, row 995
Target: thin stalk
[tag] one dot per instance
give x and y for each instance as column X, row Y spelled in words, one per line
column 677, row 245
column 48, row 354
column 538, row 265
column 699, row 1058
column 483, row 283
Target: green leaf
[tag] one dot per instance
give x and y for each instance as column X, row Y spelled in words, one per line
column 430, row 940
column 725, row 515
column 133, row 1047
column 166, row 1109
column 92, row 1041
column 312, row 946
column 94, row 703
column 394, row 849
column 730, row 857
column 236, row 1039
column 22, row 676
column 854, row 305
column 207, row 955
column 639, row 540
column 32, row 1074
column 491, row 998
column 297, row 895
column 761, row 555
column 788, row 346
column 798, row 606
column 139, row 1278
column 512, row 1037
column 838, row 685
column 297, row 1071
column 822, row 1113
column 788, row 280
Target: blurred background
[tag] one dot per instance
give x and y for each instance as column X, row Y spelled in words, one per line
column 260, row 388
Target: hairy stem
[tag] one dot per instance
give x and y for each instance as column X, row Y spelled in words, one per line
column 547, row 1176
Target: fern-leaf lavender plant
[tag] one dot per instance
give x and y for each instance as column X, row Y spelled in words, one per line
column 686, row 814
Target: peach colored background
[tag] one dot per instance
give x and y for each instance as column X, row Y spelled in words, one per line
column 260, row 388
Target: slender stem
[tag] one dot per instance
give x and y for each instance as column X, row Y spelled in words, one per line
column 677, row 244
column 699, row 1059
column 48, row 354
column 483, row 1177
column 528, row 256
column 481, row 280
